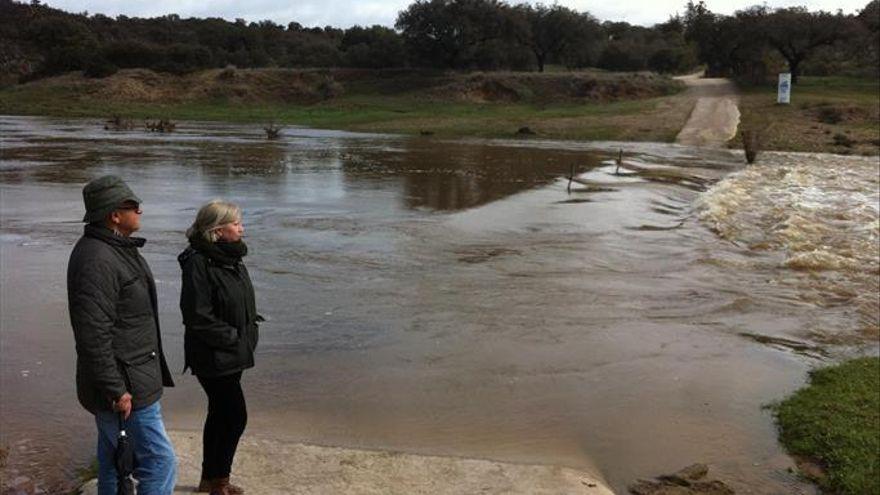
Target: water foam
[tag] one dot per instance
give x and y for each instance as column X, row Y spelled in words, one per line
column 819, row 211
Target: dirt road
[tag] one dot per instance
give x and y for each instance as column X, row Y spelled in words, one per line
column 715, row 116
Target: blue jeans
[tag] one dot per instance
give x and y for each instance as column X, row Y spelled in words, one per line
column 154, row 459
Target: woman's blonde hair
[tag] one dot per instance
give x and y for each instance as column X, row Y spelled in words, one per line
column 212, row 216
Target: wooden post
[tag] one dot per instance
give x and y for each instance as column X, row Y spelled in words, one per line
column 750, row 145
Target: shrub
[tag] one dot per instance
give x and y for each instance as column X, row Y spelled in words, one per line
column 181, row 58
column 670, row 60
column 830, row 115
column 227, row 74
column 622, row 56
column 131, row 54
column 843, row 140
column 328, row 88
column 100, row 68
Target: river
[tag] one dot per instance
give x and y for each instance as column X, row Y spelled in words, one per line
column 460, row 297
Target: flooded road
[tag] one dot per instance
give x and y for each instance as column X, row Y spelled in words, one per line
column 440, row 297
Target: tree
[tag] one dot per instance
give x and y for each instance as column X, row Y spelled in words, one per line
column 374, row 47
column 870, row 16
column 622, row 55
column 311, row 50
column 67, row 43
column 869, row 45
column 796, row 33
column 728, row 45
column 128, row 54
column 551, row 31
column 181, row 58
column 747, row 54
column 703, row 29
column 671, row 53
column 667, row 60
column 448, row 32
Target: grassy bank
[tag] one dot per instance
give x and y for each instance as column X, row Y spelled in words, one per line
column 580, row 105
column 833, row 425
column 826, row 114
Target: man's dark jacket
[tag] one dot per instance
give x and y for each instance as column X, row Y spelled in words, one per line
column 113, row 310
column 219, row 312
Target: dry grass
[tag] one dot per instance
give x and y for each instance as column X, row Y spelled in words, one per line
column 836, row 115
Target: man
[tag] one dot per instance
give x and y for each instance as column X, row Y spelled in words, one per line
column 120, row 368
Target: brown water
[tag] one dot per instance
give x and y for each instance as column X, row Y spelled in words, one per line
column 431, row 296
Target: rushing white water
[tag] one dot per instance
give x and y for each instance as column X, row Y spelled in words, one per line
column 821, row 212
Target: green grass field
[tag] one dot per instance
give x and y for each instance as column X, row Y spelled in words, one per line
column 405, row 105
column 835, row 421
column 654, row 119
column 827, row 114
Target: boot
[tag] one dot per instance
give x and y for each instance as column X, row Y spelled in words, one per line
column 220, row 486
column 204, row 486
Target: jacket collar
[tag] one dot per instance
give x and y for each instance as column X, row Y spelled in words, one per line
column 104, row 234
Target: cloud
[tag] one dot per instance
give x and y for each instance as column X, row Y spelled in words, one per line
column 651, row 12
column 346, row 13
column 337, row 13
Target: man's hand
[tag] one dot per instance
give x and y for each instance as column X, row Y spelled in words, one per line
column 123, row 405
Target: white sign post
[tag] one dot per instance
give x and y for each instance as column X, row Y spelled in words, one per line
column 784, row 94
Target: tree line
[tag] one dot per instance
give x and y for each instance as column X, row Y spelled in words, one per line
column 38, row 41
column 752, row 41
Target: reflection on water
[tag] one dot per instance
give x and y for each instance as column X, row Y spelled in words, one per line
column 455, row 177
column 444, row 297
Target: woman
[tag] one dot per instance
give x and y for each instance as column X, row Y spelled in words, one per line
column 219, row 313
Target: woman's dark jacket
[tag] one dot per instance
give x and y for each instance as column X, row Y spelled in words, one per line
column 112, row 302
column 219, row 311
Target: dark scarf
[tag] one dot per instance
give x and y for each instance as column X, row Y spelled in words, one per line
column 225, row 253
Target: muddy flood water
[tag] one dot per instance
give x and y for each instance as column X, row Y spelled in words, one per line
column 454, row 297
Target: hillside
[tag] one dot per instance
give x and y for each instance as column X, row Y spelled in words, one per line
column 305, row 87
column 586, row 105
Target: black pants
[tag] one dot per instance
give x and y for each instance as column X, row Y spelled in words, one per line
column 227, row 417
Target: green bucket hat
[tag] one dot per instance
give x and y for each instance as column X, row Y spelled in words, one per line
column 103, row 195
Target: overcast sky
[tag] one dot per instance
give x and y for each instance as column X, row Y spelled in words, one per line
column 346, row 13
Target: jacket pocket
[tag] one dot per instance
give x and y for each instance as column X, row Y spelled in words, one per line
column 226, row 359
column 142, row 374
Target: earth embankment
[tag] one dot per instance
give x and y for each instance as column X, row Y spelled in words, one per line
column 304, row 86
